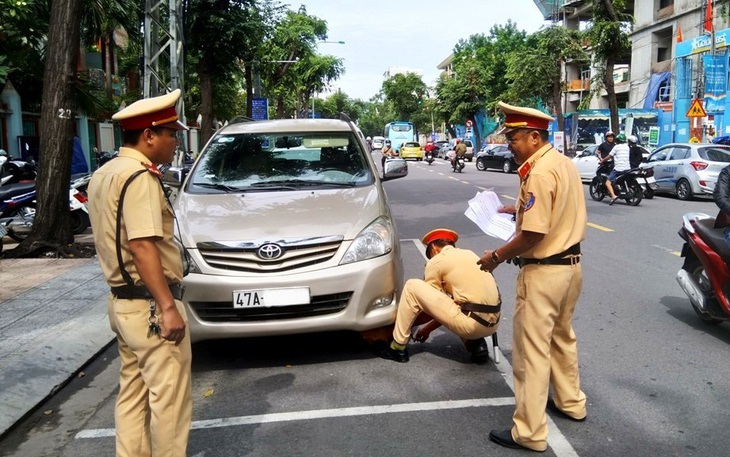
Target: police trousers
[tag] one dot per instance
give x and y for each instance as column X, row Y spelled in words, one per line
column 154, row 407
column 545, row 349
column 419, row 296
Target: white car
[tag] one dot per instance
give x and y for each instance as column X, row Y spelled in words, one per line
column 378, row 143
column 586, row 161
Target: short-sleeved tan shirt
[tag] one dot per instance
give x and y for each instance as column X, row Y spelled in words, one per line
column 145, row 213
column 455, row 271
column 551, row 202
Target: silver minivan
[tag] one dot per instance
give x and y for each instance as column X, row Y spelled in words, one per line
column 287, row 230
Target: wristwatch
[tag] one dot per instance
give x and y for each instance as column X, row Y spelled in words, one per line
column 495, row 257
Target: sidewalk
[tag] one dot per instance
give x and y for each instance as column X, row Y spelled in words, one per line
column 53, row 319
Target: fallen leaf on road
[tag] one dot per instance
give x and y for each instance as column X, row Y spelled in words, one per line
column 48, row 412
column 208, row 393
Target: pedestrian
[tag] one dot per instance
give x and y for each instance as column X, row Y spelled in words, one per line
column 550, row 224
column 455, row 293
column 132, row 223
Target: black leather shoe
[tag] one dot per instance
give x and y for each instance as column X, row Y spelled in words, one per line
column 389, row 353
column 479, row 350
column 553, row 408
column 504, row 438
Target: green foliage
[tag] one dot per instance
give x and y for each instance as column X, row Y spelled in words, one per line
column 536, row 76
column 404, row 92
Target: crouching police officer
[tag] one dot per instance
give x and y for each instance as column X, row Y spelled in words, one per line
column 551, row 223
column 133, row 231
column 455, row 294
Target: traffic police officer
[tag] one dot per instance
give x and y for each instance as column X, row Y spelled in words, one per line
column 455, row 294
column 133, row 231
column 551, row 223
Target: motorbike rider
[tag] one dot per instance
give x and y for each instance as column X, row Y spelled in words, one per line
column 604, row 150
column 429, row 148
column 370, row 143
column 620, row 154
column 635, row 156
column 459, row 151
column 388, row 153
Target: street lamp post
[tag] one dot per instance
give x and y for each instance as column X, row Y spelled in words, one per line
column 314, row 94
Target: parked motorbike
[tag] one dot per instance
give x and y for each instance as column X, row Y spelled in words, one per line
column 704, row 275
column 16, row 171
column 77, row 196
column 17, row 210
column 625, row 186
column 458, row 163
column 428, row 157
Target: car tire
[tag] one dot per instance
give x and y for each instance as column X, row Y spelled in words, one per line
column 481, row 166
column 684, row 190
column 507, row 166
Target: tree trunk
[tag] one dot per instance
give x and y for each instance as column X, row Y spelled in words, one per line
column 108, row 69
column 611, row 92
column 58, row 115
column 280, row 107
column 249, row 89
column 206, row 102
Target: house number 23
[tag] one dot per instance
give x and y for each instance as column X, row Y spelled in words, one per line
column 64, row 113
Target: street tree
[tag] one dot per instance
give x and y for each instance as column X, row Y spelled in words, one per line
column 405, row 93
column 609, row 38
column 58, row 114
column 479, row 80
column 221, row 35
column 536, row 79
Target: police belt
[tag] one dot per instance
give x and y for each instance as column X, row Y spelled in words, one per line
column 137, row 292
column 471, row 308
column 557, row 259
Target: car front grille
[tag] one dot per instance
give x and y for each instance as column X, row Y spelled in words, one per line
column 225, row 312
column 245, row 257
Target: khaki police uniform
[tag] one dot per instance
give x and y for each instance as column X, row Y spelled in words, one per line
column 452, row 277
column 154, row 406
column 551, row 202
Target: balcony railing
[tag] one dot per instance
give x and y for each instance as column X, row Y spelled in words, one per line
column 579, row 84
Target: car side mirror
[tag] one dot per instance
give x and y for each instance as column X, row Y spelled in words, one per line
column 394, row 169
column 174, row 177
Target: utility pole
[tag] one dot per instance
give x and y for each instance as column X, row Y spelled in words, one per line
column 164, row 45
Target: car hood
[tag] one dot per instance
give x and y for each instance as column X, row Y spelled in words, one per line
column 264, row 216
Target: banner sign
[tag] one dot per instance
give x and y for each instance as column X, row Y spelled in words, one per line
column 715, row 83
column 260, row 109
column 702, row 44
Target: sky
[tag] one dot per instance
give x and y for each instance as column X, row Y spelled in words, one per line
column 417, row 34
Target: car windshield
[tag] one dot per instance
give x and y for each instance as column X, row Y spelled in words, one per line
column 715, row 153
column 280, row 161
column 412, row 144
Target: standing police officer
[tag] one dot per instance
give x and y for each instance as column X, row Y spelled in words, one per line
column 133, row 231
column 551, row 223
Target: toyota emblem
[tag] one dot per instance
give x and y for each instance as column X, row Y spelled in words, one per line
column 270, row 251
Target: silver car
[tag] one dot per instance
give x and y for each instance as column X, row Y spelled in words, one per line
column 288, row 230
column 688, row 169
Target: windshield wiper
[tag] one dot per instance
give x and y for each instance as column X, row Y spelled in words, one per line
column 224, row 187
column 298, row 183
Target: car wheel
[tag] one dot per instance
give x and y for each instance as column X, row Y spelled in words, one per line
column 481, row 166
column 684, row 190
column 507, row 166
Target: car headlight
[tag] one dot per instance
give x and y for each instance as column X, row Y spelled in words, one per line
column 375, row 240
column 189, row 264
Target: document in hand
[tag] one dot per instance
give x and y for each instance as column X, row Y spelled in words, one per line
column 482, row 211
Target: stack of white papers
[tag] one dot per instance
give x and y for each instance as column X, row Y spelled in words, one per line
column 482, row 211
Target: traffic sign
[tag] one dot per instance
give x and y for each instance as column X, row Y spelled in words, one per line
column 696, row 110
column 469, row 123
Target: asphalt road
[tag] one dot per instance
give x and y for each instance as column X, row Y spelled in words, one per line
column 655, row 376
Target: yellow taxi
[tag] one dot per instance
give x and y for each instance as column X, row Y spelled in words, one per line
column 411, row 150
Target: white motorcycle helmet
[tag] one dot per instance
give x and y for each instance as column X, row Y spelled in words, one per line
column 632, row 139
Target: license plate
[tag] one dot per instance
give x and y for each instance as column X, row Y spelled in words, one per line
column 289, row 296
